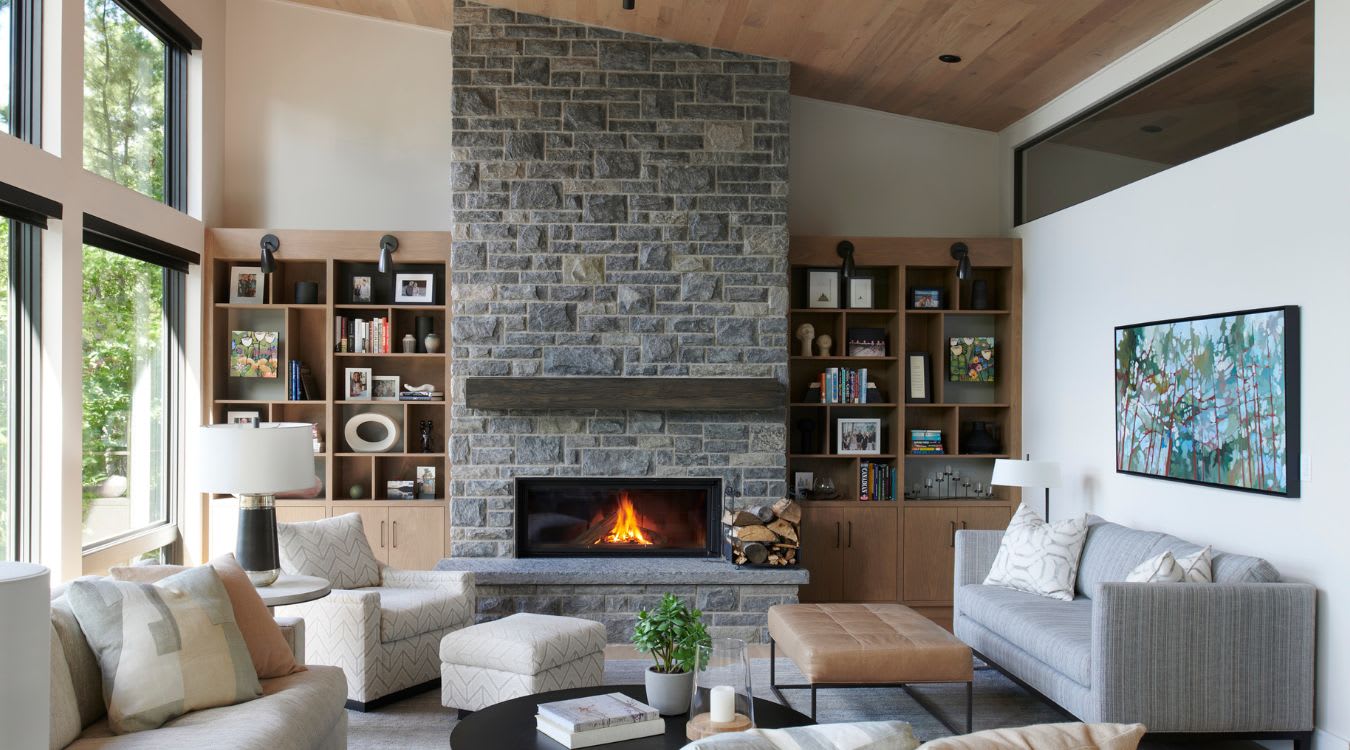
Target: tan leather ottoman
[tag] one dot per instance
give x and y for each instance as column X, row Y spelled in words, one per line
column 868, row 645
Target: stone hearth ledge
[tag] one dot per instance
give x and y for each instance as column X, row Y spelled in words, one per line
column 620, row 571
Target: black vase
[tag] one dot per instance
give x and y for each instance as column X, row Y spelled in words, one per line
column 306, row 292
column 422, row 326
column 979, row 295
column 980, row 439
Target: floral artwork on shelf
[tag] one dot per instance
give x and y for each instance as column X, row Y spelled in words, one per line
column 253, row 354
column 971, row 359
column 1211, row 400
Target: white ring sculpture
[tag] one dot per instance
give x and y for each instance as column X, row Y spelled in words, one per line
column 360, row 444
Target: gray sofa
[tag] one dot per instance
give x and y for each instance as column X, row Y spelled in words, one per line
column 302, row 711
column 1231, row 657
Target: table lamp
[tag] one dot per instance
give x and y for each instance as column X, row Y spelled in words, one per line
column 253, row 463
column 1013, row 473
column 25, row 654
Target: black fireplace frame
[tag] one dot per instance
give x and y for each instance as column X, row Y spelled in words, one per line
column 712, row 486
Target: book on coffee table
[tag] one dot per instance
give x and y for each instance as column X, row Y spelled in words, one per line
column 598, row 719
column 601, row 736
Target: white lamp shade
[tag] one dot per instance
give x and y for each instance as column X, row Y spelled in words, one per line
column 264, row 460
column 1013, row 473
column 25, row 655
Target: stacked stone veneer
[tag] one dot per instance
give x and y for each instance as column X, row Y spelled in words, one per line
column 620, row 209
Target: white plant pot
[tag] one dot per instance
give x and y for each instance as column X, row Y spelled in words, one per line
column 669, row 693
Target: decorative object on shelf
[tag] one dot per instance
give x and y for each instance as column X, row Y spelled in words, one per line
column 824, row 343
column 860, row 293
column 971, row 359
column 979, row 295
column 409, row 344
column 432, row 343
column 671, row 633
column 317, row 435
column 980, row 439
column 806, row 430
column 361, row 289
column 961, row 254
column 246, row 285
column 822, row 287
column 925, row 442
column 806, row 333
column 918, row 379
column 306, row 292
column 925, row 298
column 723, row 695
column 801, row 484
column 414, row 288
column 381, row 422
column 424, row 427
column 424, row 392
column 269, row 245
column 253, row 464
column 385, row 388
column 824, row 489
column 426, row 483
column 242, row 417
column 948, row 484
column 422, row 327
column 857, row 437
column 356, row 491
column 865, row 342
column 25, row 658
column 358, row 383
column 253, row 354
column 1179, row 378
column 388, row 246
column 400, row 489
column 1013, row 473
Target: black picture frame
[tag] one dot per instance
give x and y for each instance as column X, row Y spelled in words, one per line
column 927, row 291
column 1291, row 388
column 807, row 300
column 847, row 292
column 923, row 363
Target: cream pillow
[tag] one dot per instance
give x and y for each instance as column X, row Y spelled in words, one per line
column 1199, row 567
column 1161, row 568
column 1047, row 737
column 335, row 549
column 1039, row 557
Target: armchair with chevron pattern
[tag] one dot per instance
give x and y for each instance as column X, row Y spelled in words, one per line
column 383, row 626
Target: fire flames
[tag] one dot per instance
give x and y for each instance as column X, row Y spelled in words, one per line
column 626, row 528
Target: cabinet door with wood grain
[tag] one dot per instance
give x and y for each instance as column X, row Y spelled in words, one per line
column 929, row 544
column 822, row 540
column 870, row 561
column 416, row 537
column 300, row 513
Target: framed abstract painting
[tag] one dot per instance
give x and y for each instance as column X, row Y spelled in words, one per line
column 1211, row 400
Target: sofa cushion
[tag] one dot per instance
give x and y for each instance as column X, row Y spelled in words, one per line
column 85, row 676
column 335, row 549
column 1039, row 557
column 1112, row 551
column 1057, row 633
column 164, row 649
column 405, row 613
column 65, row 709
column 296, row 711
column 523, row 643
column 1047, row 737
column 1161, row 568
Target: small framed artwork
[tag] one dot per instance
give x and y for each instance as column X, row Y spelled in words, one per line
column 918, row 386
column 414, row 288
column 242, row 417
column 384, row 387
column 426, row 483
column 866, row 342
column 400, row 489
column 860, row 293
column 822, row 287
column 802, row 481
column 246, row 285
column 361, row 289
column 925, row 298
column 857, row 437
column 358, row 384
column 971, row 359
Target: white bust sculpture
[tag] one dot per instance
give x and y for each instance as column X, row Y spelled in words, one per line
column 806, row 333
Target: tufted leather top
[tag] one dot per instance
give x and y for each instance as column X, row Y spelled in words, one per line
column 868, row 643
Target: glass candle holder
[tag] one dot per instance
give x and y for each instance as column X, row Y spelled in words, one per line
column 723, row 697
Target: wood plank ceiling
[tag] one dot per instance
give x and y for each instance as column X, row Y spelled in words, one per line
column 879, row 54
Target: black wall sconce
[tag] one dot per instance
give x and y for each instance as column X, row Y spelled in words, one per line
column 961, row 253
column 629, row 4
column 845, row 251
column 270, row 244
column 388, row 245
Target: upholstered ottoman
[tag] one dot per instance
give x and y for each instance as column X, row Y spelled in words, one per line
column 517, row 656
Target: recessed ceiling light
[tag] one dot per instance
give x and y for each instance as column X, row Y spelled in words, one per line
column 1152, row 128
column 949, row 58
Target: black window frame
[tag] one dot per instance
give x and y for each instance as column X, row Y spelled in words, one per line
column 25, row 71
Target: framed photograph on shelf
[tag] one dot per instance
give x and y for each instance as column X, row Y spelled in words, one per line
column 361, row 289
column 414, row 288
column 358, row 384
column 860, row 293
column 242, row 417
column 857, row 437
column 822, row 287
column 925, row 298
column 918, row 379
column 384, row 387
column 246, row 285
column 865, row 342
column 802, row 481
column 400, row 489
column 426, row 483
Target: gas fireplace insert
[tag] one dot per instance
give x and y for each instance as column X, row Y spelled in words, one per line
column 576, row 517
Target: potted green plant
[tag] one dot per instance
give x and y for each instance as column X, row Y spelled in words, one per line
column 672, row 634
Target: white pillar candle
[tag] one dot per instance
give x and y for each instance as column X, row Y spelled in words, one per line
column 723, row 700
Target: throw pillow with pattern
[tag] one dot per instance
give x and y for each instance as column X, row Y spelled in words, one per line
column 332, row 548
column 164, row 649
column 1198, row 567
column 1039, row 557
column 1161, row 568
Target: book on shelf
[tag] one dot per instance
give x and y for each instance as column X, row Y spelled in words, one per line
column 361, row 336
column 925, row 442
column 877, row 481
column 602, row 736
column 301, row 384
column 421, row 396
column 843, row 385
column 596, row 712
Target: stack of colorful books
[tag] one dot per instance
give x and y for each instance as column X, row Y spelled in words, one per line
column 925, row 442
column 360, row 336
column 843, row 385
column 598, row 719
column 876, row 481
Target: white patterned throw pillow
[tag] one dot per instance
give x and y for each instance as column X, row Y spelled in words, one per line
column 1039, row 557
column 332, row 548
column 1161, row 568
column 1198, row 567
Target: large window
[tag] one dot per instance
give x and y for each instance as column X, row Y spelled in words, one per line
column 20, row 67
column 6, row 61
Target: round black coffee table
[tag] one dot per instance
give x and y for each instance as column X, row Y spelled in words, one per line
column 510, row 724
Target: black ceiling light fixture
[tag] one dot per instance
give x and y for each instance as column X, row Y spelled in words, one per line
column 629, row 4
column 950, row 59
column 388, row 245
column 961, row 253
column 1152, row 128
column 270, row 244
column 845, row 251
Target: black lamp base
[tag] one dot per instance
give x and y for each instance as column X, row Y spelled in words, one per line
column 256, row 549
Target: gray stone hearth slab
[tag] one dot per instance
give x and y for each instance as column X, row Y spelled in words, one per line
column 621, row 571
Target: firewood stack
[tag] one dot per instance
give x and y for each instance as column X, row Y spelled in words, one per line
column 764, row 534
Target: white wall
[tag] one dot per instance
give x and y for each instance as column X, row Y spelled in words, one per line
column 1059, row 175
column 867, row 173
column 334, row 121
column 1263, row 222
